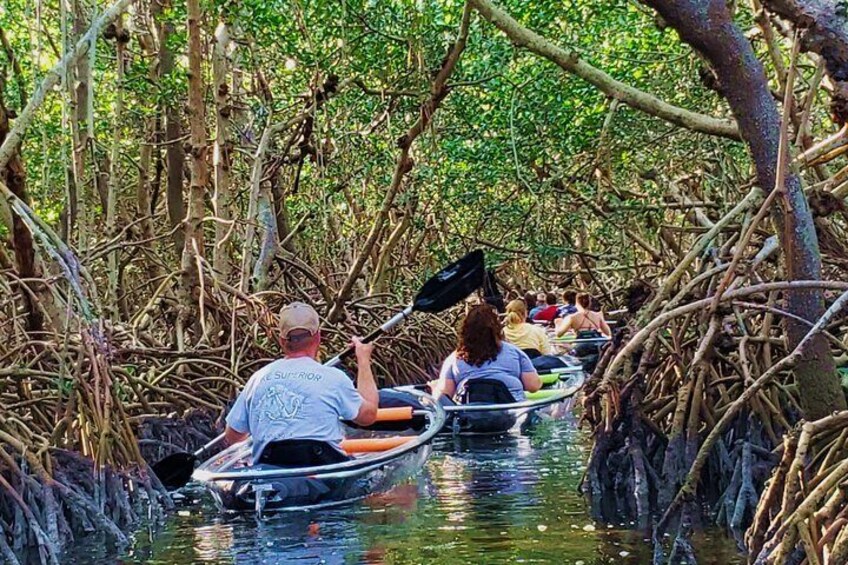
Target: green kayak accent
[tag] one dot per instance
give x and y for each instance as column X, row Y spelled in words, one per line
column 563, row 339
column 549, row 379
column 542, row 394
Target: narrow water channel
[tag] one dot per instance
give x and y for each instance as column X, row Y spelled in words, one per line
column 508, row 499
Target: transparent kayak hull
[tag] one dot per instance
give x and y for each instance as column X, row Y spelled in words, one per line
column 476, row 419
column 304, row 492
column 553, row 402
column 567, row 346
column 238, row 486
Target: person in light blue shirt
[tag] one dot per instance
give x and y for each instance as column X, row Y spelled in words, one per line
column 298, row 399
column 482, row 353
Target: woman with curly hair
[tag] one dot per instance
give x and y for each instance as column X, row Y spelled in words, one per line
column 482, row 353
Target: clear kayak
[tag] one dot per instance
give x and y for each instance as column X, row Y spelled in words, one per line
column 381, row 459
column 568, row 345
column 551, row 402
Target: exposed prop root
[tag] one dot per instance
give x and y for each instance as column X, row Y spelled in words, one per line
column 804, row 512
column 81, row 416
column 690, row 420
column 44, row 513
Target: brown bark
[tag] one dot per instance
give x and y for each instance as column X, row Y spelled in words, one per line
column 824, row 30
column 174, row 153
column 278, row 191
column 14, row 176
column 194, row 241
column 222, row 154
column 708, row 27
column 6, row 243
column 143, row 198
column 378, row 280
column 111, row 205
column 81, row 134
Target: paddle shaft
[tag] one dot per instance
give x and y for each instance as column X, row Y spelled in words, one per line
column 216, row 440
column 385, row 328
column 441, row 291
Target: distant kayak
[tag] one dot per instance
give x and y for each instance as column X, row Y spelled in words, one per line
column 475, row 418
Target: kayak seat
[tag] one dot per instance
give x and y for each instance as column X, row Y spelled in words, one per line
column 293, row 453
column 583, row 350
column 545, row 363
column 483, row 391
column 395, row 399
column 532, row 353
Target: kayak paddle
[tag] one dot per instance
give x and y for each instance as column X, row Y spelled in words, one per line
column 441, row 291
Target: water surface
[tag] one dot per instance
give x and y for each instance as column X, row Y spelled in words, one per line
column 510, row 499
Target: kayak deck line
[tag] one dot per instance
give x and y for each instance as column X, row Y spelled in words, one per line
column 373, row 444
column 559, row 340
column 556, row 395
column 548, row 396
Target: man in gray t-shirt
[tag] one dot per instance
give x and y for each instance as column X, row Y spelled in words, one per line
column 297, row 398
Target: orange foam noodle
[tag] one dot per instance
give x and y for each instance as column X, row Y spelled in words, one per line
column 374, row 444
column 394, row 414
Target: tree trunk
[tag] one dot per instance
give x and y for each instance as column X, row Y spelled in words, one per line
column 143, row 199
column 174, row 153
column 114, row 160
column 708, row 27
column 824, row 30
column 222, row 154
column 14, row 175
column 194, row 241
column 278, row 192
column 268, row 241
column 81, row 132
column 378, row 280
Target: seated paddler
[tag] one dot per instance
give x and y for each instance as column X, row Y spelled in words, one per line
column 293, row 407
column 484, row 367
column 584, row 320
column 530, row 338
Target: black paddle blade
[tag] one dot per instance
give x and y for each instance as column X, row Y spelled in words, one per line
column 452, row 284
column 175, row 470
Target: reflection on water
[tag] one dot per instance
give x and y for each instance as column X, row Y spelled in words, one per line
column 481, row 499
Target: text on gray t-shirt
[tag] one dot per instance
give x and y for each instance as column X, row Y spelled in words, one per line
column 294, row 399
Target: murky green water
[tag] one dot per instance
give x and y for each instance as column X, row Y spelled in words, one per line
column 511, row 499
